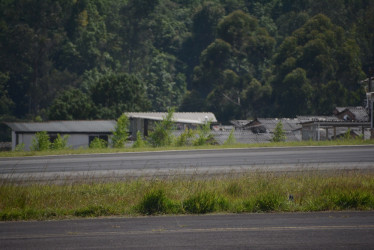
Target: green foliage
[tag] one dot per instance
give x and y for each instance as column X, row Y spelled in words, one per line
column 314, row 58
column 71, row 104
column 60, row 142
column 238, row 59
column 40, row 142
column 6, row 103
column 347, row 135
column 185, row 138
column 154, row 202
column 98, row 143
column 120, row 132
column 116, row 93
column 20, row 147
column 140, row 142
column 161, row 134
column 204, row 137
column 231, row 139
column 92, row 211
column 279, row 133
column 249, row 192
column 270, row 201
column 204, row 202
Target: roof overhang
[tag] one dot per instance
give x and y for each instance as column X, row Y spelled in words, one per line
column 178, row 117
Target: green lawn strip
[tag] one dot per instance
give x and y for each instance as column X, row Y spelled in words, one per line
column 249, row 192
column 144, row 149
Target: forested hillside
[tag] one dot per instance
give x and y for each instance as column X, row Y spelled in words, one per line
column 94, row 59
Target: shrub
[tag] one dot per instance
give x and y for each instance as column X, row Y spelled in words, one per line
column 153, row 202
column 120, row 133
column 60, row 142
column 231, row 139
column 161, row 135
column 185, row 137
column 204, row 136
column 20, row 147
column 40, row 142
column 279, row 134
column 139, row 143
column 98, row 143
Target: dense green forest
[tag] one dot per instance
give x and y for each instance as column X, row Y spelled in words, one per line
column 94, row 59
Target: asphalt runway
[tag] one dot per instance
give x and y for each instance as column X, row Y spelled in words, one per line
column 326, row 230
column 188, row 162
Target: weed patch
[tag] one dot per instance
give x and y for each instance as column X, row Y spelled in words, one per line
column 251, row 192
column 204, row 202
column 156, row 202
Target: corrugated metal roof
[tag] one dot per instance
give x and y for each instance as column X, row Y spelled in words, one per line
column 359, row 112
column 98, row 126
column 304, row 119
column 240, row 123
column 289, row 124
column 182, row 117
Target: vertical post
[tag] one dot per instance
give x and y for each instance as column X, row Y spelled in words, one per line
column 327, row 134
column 334, row 132
column 371, row 122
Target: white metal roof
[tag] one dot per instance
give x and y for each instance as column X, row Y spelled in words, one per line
column 182, row 117
column 95, row 126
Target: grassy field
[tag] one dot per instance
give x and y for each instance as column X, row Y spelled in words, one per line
column 247, row 192
column 119, row 150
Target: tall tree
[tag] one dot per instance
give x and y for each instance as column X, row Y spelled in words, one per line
column 114, row 94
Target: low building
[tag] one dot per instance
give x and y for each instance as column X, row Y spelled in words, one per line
column 261, row 130
column 358, row 114
column 80, row 133
column 330, row 128
column 145, row 121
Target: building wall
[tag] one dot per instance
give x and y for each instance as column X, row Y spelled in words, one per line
column 74, row 140
column 26, row 139
column 136, row 125
column 78, row 140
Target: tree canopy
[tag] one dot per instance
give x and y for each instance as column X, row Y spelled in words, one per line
column 239, row 59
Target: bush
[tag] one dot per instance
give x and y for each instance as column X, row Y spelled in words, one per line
column 139, row 143
column 204, row 136
column 60, row 142
column 40, row 142
column 185, row 137
column 279, row 134
column 153, row 202
column 98, row 143
column 161, row 135
column 20, row 147
column 231, row 139
column 121, row 132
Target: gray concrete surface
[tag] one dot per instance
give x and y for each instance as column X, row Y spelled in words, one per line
column 326, row 230
column 187, row 162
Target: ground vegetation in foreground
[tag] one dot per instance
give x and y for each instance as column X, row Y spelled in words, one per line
column 194, row 194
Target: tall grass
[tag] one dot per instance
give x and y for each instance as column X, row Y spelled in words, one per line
column 249, row 192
